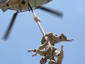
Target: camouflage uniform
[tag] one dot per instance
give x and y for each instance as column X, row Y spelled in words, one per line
column 60, row 58
column 53, row 38
column 49, row 53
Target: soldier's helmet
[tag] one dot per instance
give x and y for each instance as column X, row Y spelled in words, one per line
column 62, row 37
column 50, row 35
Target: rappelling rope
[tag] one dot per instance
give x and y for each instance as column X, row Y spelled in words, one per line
column 37, row 19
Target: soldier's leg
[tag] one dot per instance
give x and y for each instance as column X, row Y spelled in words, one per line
column 60, row 57
column 70, row 40
column 64, row 38
column 37, row 52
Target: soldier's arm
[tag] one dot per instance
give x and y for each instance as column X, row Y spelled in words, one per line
column 42, row 53
column 34, row 50
column 43, row 46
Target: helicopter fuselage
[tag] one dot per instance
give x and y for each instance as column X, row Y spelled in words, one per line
column 21, row 5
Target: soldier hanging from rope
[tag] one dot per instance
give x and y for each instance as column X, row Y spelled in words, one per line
column 50, row 53
column 53, row 38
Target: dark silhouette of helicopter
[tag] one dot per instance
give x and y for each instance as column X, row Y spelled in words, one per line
column 22, row 6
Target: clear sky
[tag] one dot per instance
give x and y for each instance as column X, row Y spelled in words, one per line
column 26, row 34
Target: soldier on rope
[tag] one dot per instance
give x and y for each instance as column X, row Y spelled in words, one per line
column 53, row 38
column 49, row 53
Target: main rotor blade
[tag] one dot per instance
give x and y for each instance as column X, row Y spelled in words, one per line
column 57, row 13
column 10, row 26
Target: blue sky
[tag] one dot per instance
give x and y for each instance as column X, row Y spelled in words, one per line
column 26, row 34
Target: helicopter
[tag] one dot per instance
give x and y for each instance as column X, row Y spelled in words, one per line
column 22, row 6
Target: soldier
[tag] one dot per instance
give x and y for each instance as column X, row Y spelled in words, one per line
column 53, row 38
column 49, row 53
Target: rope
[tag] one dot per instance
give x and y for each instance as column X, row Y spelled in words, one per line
column 37, row 19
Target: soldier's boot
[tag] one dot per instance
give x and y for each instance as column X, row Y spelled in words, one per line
column 43, row 61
